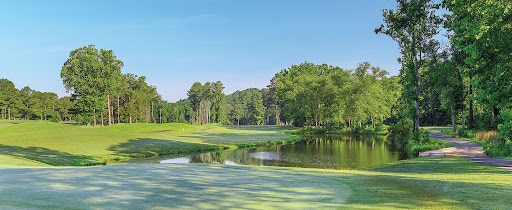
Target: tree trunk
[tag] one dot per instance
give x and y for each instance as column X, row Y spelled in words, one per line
column 94, row 117
column 102, row 119
column 454, row 126
column 417, row 98
column 463, row 121
column 277, row 115
column 109, row 111
column 160, row 114
column 492, row 118
column 9, row 112
column 373, row 122
column 471, row 108
column 148, row 114
column 208, row 116
column 494, row 113
column 118, row 110
column 152, row 116
column 197, row 116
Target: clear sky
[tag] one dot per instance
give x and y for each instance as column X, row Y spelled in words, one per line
column 174, row 43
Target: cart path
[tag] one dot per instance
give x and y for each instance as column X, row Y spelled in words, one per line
column 469, row 150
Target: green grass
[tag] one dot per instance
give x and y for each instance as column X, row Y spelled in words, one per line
column 445, row 183
column 69, row 145
column 438, row 183
column 436, row 128
column 7, row 161
column 421, row 183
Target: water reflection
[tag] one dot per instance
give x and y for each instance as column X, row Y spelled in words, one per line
column 338, row 152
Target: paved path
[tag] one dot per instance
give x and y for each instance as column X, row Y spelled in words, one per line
column 469, row 150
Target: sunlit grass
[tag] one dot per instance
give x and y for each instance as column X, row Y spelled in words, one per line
column 423, row 183
column 65, row 144
column 8, row 161
column 441, row 183
column 435, row 128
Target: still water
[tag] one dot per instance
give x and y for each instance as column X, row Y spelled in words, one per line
column 335, row 152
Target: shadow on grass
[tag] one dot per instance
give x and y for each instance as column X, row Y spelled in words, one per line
column 149, row 147
column 171, row 186
column 452, row 183
column 397, row 192
column 48, row 156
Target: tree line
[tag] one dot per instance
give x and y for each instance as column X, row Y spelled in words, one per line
column 304, row 94
column 466, row 81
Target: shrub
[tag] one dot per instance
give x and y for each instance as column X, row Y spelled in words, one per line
column 55, row 117
column 486, row 135
column 500, row 145
column 415, row 147
column 402, row 128
column 421, row 136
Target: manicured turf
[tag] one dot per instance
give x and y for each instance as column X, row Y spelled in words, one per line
column 446, row 183
column 70, row 145
column 423, row 183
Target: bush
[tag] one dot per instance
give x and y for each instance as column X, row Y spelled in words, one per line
column 415, row 147
column 402, row 128
column 421, row 137
column 414, row 142
column 55, row 117
column 379, row 127
column 500, row 145
column 312, row 130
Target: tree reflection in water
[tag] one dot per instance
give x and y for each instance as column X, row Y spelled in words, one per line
column 338, row 152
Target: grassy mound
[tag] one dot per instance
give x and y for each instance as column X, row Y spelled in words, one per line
column 69, row 145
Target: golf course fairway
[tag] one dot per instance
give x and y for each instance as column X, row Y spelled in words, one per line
column 442, row 183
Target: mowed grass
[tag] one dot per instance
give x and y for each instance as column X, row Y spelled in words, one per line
column 70, row 145
column 444, row 183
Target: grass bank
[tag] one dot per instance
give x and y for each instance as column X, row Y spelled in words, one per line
column 69, row 145
column 422, row 183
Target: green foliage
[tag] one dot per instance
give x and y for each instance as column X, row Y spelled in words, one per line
column 207, row 103
column 413, row 26
column 415, row 147
column 322, row 95
column 482, row 31
column 91, row 75
column 414, row 142
column 403, row 128
column 55, row 117
column 309, row 130
column 501, row 146
column 421, row 141
column 246, row 107
column 9, row 99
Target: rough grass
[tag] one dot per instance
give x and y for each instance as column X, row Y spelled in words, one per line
column 486, row 135
column 445, row 183
column 69, row 145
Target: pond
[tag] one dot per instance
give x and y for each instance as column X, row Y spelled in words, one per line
column 334, row 152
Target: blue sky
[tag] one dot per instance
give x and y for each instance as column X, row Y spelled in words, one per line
column 174, row 43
